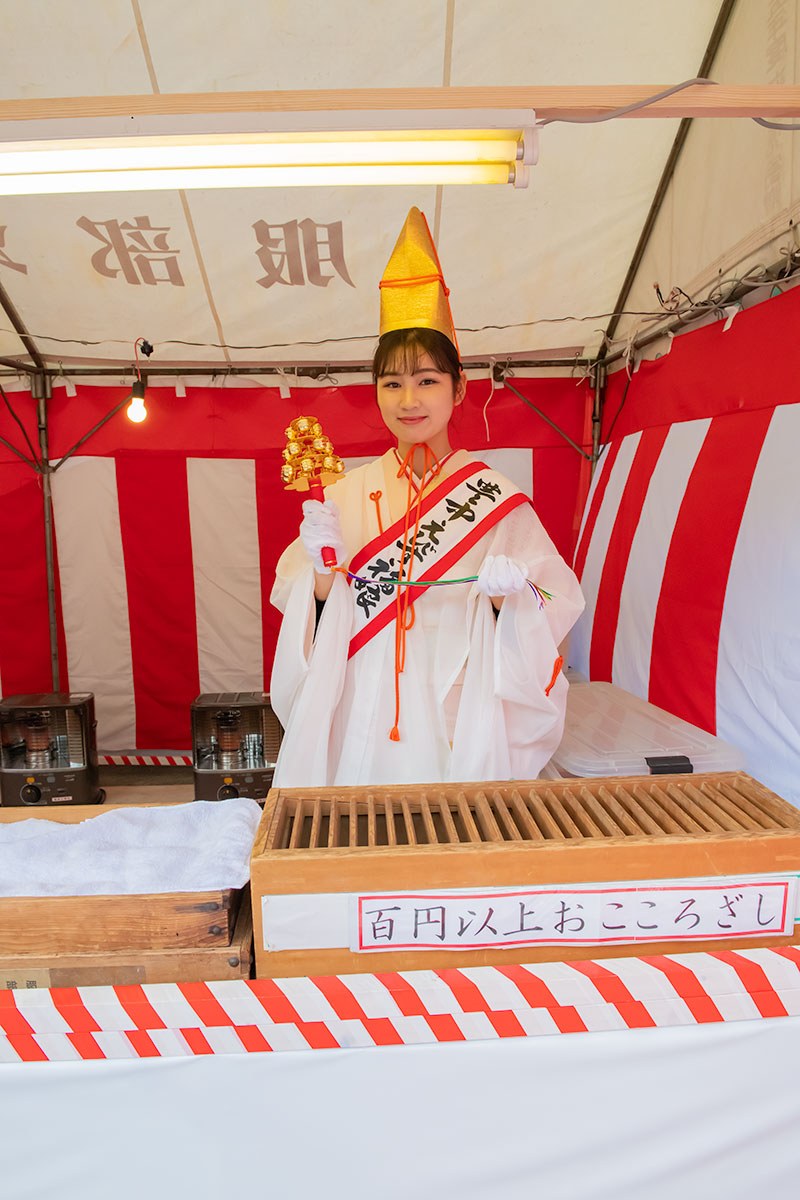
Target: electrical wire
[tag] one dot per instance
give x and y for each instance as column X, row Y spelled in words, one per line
column 358, row 337
column 628, row 108
column 614, row 421
column 691, row 310
column 775, row 124
column 650, row 100
column 725, row 291
column 46, row 337
column 136, row 353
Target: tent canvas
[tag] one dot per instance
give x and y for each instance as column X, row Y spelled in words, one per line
column 166, row 534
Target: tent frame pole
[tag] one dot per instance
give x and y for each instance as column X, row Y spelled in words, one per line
column 300, row 370
column 117, row 408
column 717, row 34
column 22, row 333
column 600, row 374
column 42, row 390
column 546, row 419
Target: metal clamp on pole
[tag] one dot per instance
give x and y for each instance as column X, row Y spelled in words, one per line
column 600, row 374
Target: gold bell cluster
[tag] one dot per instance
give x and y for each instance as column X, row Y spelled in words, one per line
column 309, row 456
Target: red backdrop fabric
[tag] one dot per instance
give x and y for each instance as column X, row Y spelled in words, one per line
column 136, row 587
column 688, row 554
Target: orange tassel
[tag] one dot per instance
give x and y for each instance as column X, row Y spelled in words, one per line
column 557, row 665
column 404, row 611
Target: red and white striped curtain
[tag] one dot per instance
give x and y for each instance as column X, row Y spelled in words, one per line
column 167, row 535
column 689, row 549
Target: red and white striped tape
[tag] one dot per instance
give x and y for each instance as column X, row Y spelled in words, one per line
column 397, row 1008
column 144, row 760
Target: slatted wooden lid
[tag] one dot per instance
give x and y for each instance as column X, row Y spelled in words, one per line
column 576, row 811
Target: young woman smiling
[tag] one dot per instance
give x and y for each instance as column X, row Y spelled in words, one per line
column 434, row 655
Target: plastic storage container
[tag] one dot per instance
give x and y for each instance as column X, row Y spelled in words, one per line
column 609, row 731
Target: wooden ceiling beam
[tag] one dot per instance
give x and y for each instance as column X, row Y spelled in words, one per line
column 549, row 102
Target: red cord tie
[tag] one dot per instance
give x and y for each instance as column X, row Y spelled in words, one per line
column 390, row 283
column 375, row 497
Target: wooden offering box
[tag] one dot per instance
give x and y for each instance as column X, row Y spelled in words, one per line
column 547, row 834
column 66, row 941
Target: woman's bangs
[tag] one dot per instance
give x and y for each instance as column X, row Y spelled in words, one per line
column 400, row 351
column 402, row 359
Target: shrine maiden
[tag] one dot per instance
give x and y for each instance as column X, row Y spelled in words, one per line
column 376, row 681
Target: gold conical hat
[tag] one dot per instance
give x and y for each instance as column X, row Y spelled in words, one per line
column 413, row 291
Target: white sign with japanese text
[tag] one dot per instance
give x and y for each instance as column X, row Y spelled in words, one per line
column 621, row 912
column 605, row 914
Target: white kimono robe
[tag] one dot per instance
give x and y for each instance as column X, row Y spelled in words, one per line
column 473, row 702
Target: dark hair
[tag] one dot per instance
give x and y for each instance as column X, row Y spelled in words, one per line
column 400, row 350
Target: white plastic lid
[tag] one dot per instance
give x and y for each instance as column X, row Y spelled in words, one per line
column 612, row 732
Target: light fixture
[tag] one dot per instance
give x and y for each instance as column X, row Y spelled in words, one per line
column 243, row 158
column 136, row 410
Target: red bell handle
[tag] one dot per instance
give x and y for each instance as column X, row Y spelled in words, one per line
column 328, row 554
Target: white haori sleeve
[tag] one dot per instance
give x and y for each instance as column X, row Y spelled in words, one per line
column 308, row 671
column 293, row 595
column 522, row 536
column 534, row 702
column 511, row 715
column 480, row 744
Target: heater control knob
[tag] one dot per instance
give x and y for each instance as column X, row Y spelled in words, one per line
column 227, row 792
column 30, row 793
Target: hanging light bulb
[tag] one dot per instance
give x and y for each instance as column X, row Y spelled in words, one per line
column 136, row 410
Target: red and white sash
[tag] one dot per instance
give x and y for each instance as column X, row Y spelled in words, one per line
column 453, row 517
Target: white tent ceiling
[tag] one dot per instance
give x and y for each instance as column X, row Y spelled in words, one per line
column 184, row 267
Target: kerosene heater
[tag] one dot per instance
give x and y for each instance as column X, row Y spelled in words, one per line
column 49, row 750
column 235, row 742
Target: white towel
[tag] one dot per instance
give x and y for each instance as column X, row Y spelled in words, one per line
column 195, row 847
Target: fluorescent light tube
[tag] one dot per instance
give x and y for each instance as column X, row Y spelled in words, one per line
column 249, row 160
column 254, row 177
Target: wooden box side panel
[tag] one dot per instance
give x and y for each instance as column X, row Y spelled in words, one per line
column 123, row 967
column 513, row 864
column 61, row 924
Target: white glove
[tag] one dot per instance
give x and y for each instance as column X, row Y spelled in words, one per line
column 501, row 576
column 321, row 527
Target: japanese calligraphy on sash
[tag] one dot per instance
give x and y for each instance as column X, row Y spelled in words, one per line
column 454, row 516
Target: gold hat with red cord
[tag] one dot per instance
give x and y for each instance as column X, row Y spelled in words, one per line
column 413, row 292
